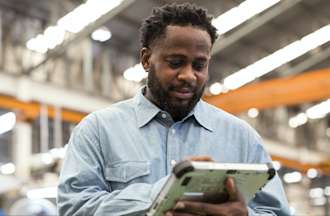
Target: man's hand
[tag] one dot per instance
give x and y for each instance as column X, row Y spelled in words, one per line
column 234, row 206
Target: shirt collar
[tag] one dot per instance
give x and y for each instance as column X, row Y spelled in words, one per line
column 201, row 114
column 146, row 111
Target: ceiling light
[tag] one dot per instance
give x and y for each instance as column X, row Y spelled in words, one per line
column 57, row 153
column 7, row 122
column 86, row 13
column 47, row 158
column 253, row 112
column 54, row 35
column 315, row 112
column 312, row 173
column 316, row 192
column 278, row 58
column 102, row 34
column 135, row 73
column 292, row 177
column 7, row 169
column 319, row 111
column 73, row 22
column 237, row 15
column 298, row 120
column 215, row 88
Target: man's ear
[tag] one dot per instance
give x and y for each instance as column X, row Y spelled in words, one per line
column 145, row 54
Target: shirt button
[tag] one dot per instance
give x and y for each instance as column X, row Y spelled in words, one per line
column 173, row 162
column 163, row 115
column 173, row 131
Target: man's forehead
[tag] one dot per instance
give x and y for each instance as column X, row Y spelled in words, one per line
column 185, row 37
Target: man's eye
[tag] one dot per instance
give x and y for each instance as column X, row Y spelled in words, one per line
column 198, row 66
column 175, row 63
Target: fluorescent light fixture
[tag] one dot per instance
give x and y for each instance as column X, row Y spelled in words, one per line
column 253, row 112
column 298, row 120
column 7, row 169
column 315, row 112
column 135, row 73
column 52, row 36
column 238, row 15
column 319, row 111
column 102, row 34
column 278, row 58
column 73, row 22
column 86, row 13
column 316, row 192
column 58, row 153
column 7, row 122
column 216, row 88
column 39, row 193
column 292, row 177
column 47, row 158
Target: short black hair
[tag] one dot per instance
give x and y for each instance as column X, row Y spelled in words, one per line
column 185, row 14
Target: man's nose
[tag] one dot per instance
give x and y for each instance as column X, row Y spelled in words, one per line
column 187, row 74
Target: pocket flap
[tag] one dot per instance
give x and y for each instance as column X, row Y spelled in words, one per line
column 124, row 171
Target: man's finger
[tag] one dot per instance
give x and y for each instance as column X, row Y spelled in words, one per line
column 202, row 208
column 173, row 213
column 233, row 192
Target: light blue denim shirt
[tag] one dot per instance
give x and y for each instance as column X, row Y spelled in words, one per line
column 118, row 158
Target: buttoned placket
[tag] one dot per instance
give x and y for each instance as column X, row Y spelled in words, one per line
column 173, row 147
column 172, row 140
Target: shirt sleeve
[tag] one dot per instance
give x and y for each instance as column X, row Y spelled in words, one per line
column 82, row 188
column 271, row 200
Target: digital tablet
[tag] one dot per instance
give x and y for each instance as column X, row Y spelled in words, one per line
column 192, row 180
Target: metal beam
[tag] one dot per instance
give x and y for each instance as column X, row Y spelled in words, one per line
column 57, row 51
column 27, row 90
column 303, row 155
column 301, row 159
column 31, row 110
column 303, row 88
column 252, row 25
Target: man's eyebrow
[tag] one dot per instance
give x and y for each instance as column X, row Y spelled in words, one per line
column 202, row 58
column 198, row 58
column 174, row 55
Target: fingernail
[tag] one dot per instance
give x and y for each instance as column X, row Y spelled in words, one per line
column 179, row 205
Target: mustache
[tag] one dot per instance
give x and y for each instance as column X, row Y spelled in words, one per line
column 186, row 85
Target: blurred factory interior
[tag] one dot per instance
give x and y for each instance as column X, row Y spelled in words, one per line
column 62, row 59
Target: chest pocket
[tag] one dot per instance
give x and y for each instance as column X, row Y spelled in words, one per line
column 123, row 173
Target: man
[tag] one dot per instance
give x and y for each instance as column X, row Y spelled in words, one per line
column 118, row 158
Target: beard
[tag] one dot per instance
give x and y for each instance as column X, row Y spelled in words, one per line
column 176, row 107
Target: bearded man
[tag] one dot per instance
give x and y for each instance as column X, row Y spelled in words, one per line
column 118, row 158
